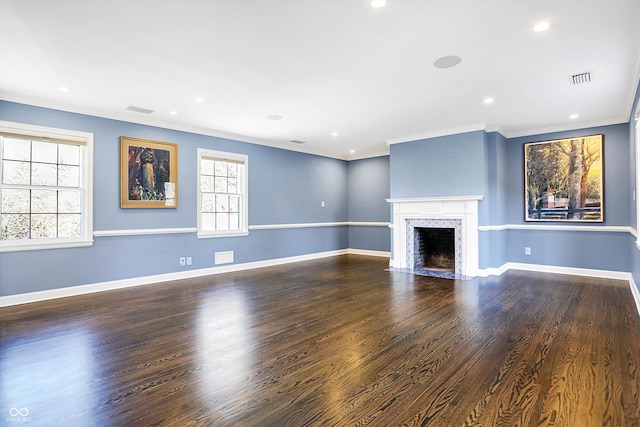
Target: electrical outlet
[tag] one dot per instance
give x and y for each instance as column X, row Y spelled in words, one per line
column 189, row 260
column 527, row 250
column 183, row 261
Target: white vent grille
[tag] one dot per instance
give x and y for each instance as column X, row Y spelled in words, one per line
column 581, row 78
column 139, row 109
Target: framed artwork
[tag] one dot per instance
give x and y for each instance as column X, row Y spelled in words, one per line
column 564, row 180
column 148, row 173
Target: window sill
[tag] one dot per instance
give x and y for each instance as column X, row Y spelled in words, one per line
column 212, row 234
column 36, row 246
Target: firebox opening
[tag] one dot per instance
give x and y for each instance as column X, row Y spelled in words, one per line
column 434, row 249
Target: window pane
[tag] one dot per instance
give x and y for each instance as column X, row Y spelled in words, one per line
column 69, row 154
column 15, row 201
column 68, row 176
column 208, row 203
column 221, row 185
column 43, row 174
column 44, row 201
column 234, row 221
column 222, row 221
column 222, row 203
column 69, row 225
column 208, row 221
column 17, row 149
column 14, row 226
column 233, row 185
column 206, row 167
column 43, row 226
column 221, row 169
column 69, row 201
column 206, row 184
column 233, row 170
column 15, row 172
column 45, row 152
column 234, row 204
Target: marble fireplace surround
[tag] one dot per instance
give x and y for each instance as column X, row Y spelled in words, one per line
column 410, row 212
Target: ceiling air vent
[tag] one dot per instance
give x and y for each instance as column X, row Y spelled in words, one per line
column 139, row 109
column 297, row 141
column 581, row 78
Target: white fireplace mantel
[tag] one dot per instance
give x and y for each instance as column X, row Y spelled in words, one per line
column 463, row 208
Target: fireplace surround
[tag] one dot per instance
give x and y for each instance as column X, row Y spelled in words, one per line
column 457, row 212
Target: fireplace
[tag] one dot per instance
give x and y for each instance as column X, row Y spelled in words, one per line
column 458, row 215
column 434, row 249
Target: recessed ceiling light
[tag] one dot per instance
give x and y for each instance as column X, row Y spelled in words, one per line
column 173, row 112
column 352, row 151
column 378, row 3
column 541, row 26
column 274, row 117
column 574, row 116
column 199, row 99
column 334, row 134
column 488, row 100
column 447, row 61
column 63, row 89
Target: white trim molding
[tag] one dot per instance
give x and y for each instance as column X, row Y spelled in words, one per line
column 540, row 227
column 586, row 272
column 146, row 231
column 299, row 225
column 160, row 278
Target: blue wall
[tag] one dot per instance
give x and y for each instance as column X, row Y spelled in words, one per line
column 288, row 187
column 480, row 163
column 284, row 187
column 368, row 189
column 452, row 165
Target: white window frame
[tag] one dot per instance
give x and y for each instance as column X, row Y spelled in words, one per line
column 243, row 184
column 85, row 141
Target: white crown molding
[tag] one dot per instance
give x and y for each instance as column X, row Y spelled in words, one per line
column 132, row 118
column 573, row 126
column 435, row 134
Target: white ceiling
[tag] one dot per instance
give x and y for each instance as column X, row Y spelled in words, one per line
column 326, row 66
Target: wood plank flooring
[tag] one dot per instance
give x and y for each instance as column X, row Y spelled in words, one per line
column 332, row 342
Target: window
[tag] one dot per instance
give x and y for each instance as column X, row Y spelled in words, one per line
column 45, row 187
column 222, row 194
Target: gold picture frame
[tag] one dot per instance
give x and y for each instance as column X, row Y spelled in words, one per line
column 564, row 179
column 148, row 174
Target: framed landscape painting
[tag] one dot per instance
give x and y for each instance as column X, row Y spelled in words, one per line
column 564, row 180
column 148, row 173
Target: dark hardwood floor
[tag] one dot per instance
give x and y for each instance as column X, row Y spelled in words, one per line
column 336, row 342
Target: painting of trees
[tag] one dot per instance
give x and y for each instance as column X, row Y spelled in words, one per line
column 563, row 180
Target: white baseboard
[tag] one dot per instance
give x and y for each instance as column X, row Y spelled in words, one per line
column 635, row 292
column 588, row 272
column 603, row 274
column 147, row 280
column 159, row 278
column 367, row 252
